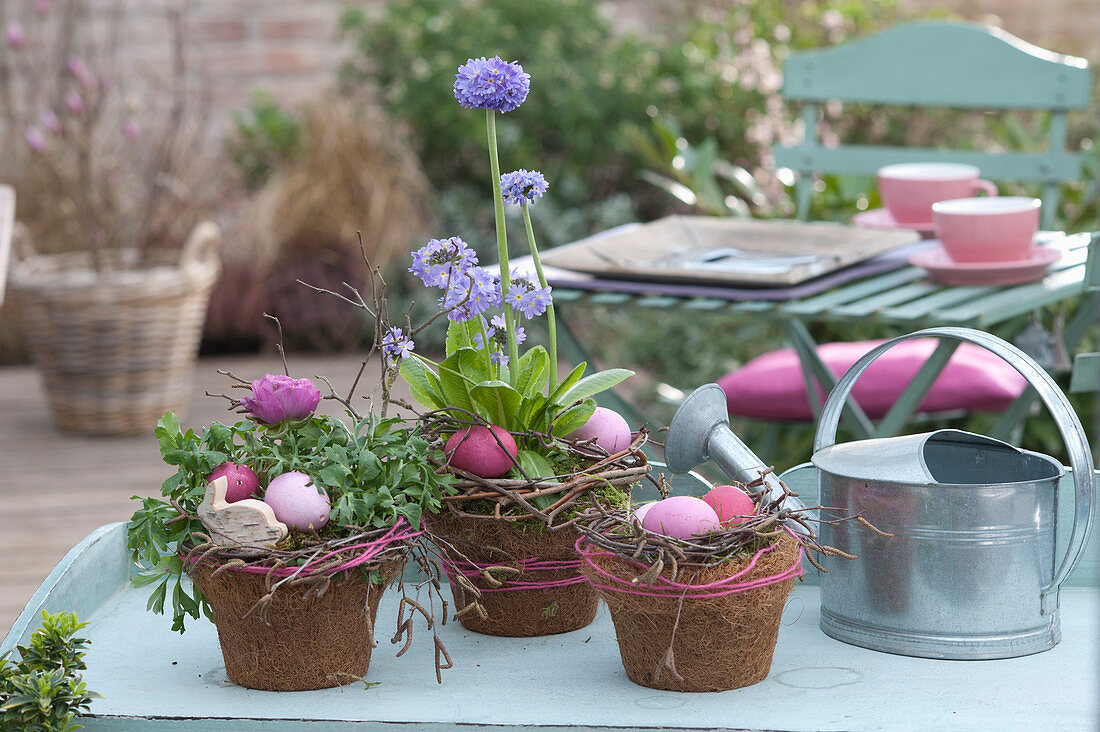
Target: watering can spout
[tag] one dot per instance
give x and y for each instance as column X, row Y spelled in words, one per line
column 700, row 431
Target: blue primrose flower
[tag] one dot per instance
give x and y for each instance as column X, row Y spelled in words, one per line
column 526, row 297
column 470, row 294
column 396, row 345
column 523, row 186
column 441, row 262
column 483, row 83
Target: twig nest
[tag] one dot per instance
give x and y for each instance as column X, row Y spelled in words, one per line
column 680, row 517
column 607, row 428
column 733, row 505
column 242, row 481
column 487, row 452
column 297, row 502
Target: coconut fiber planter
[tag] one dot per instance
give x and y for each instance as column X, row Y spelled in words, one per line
column 528, row 576
column 710, row 629
column 512, row 566
column 302, row 639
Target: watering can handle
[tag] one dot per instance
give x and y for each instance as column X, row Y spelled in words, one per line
column 1073, row 434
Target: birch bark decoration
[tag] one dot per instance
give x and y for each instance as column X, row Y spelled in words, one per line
column 244, row 523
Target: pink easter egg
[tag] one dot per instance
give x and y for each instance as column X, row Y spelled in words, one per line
column 642, row 510
column 242, row 481
column 297, row 502
column 681, row 517
column 481, row 452
column 609, row 429
column 732, row 504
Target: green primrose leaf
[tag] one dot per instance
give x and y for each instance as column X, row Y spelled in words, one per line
column 573, row 417
column 533, row 464
column 423, row 383
column 497, row 402
column 567, row 383
column 534, row 367
column 461, row 335
column 594, row 384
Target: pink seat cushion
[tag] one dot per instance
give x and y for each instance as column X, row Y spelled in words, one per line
column 771, row 386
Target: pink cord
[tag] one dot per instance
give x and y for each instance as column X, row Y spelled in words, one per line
column 400, row 531
column 472, row 570
column 664, row 587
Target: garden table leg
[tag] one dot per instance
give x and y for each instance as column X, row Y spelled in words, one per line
column 910, row 397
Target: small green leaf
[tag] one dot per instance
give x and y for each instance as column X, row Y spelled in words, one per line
column 573, row 418
column 497, row 402
column 534, row 465
column 567, row 383
column 423, row 383
column 594, row 384
column 534, row 366
column 461, row 335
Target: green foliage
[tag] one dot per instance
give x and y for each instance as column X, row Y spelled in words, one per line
column 586, row 87
column 263, row 139
column 466, row 383
column 374, row 473
column 42, row 691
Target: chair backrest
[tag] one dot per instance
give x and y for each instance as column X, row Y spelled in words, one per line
column 938, row 64
column 7, row 226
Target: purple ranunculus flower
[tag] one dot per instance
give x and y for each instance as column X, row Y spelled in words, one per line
column 277, row 398
column 523, row 186
column 396, row 345
column 441, row 261
column 490, row 83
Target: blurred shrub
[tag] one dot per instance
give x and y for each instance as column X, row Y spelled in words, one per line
column 586, row 83
column 263, row 138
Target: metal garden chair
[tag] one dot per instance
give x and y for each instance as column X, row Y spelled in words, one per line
column 936, row 64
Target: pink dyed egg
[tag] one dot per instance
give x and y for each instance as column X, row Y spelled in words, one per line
column 642, row 510
column 681, row 517
column 609, row 429
column 731, row 504
column 242, row 481
column 476, row 450
column 297, row 502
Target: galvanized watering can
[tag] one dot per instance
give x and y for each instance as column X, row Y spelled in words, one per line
column 971, row 571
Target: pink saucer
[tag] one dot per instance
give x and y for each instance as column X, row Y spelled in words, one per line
column 881, row 218
column 941, row 268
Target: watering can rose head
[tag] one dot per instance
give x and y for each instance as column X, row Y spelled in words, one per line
column 277, row 398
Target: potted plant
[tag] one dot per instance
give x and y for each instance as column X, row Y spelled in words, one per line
column 114, row 196
column 526, row 447
column 290, row 524
column 696, row 586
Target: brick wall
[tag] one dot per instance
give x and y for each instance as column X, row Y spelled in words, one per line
column 291, row 47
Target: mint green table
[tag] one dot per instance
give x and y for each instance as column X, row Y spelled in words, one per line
column 154, row 679
column 904, row 299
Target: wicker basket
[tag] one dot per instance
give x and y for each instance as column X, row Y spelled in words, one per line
column 117, row 348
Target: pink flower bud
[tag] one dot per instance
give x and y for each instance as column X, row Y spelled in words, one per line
column 51, row 122
column 83, row 74
column 74, row 102
column 277, row 398
column 35, row 139
column 130, row 128
column 15, row 34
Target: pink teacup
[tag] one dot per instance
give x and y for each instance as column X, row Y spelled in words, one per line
column 997, row 229
column 908, row 190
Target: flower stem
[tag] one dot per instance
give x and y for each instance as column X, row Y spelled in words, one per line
column 502, row 240
column 550, row 323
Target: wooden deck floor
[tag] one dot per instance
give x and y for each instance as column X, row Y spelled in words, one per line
column 55, row 488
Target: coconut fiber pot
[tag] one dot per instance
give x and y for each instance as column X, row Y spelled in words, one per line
column 718, row 642
column 308, row 642
column 538, row 587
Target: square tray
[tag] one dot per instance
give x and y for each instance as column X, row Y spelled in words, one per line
column 154, row 679
column 697, row 249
